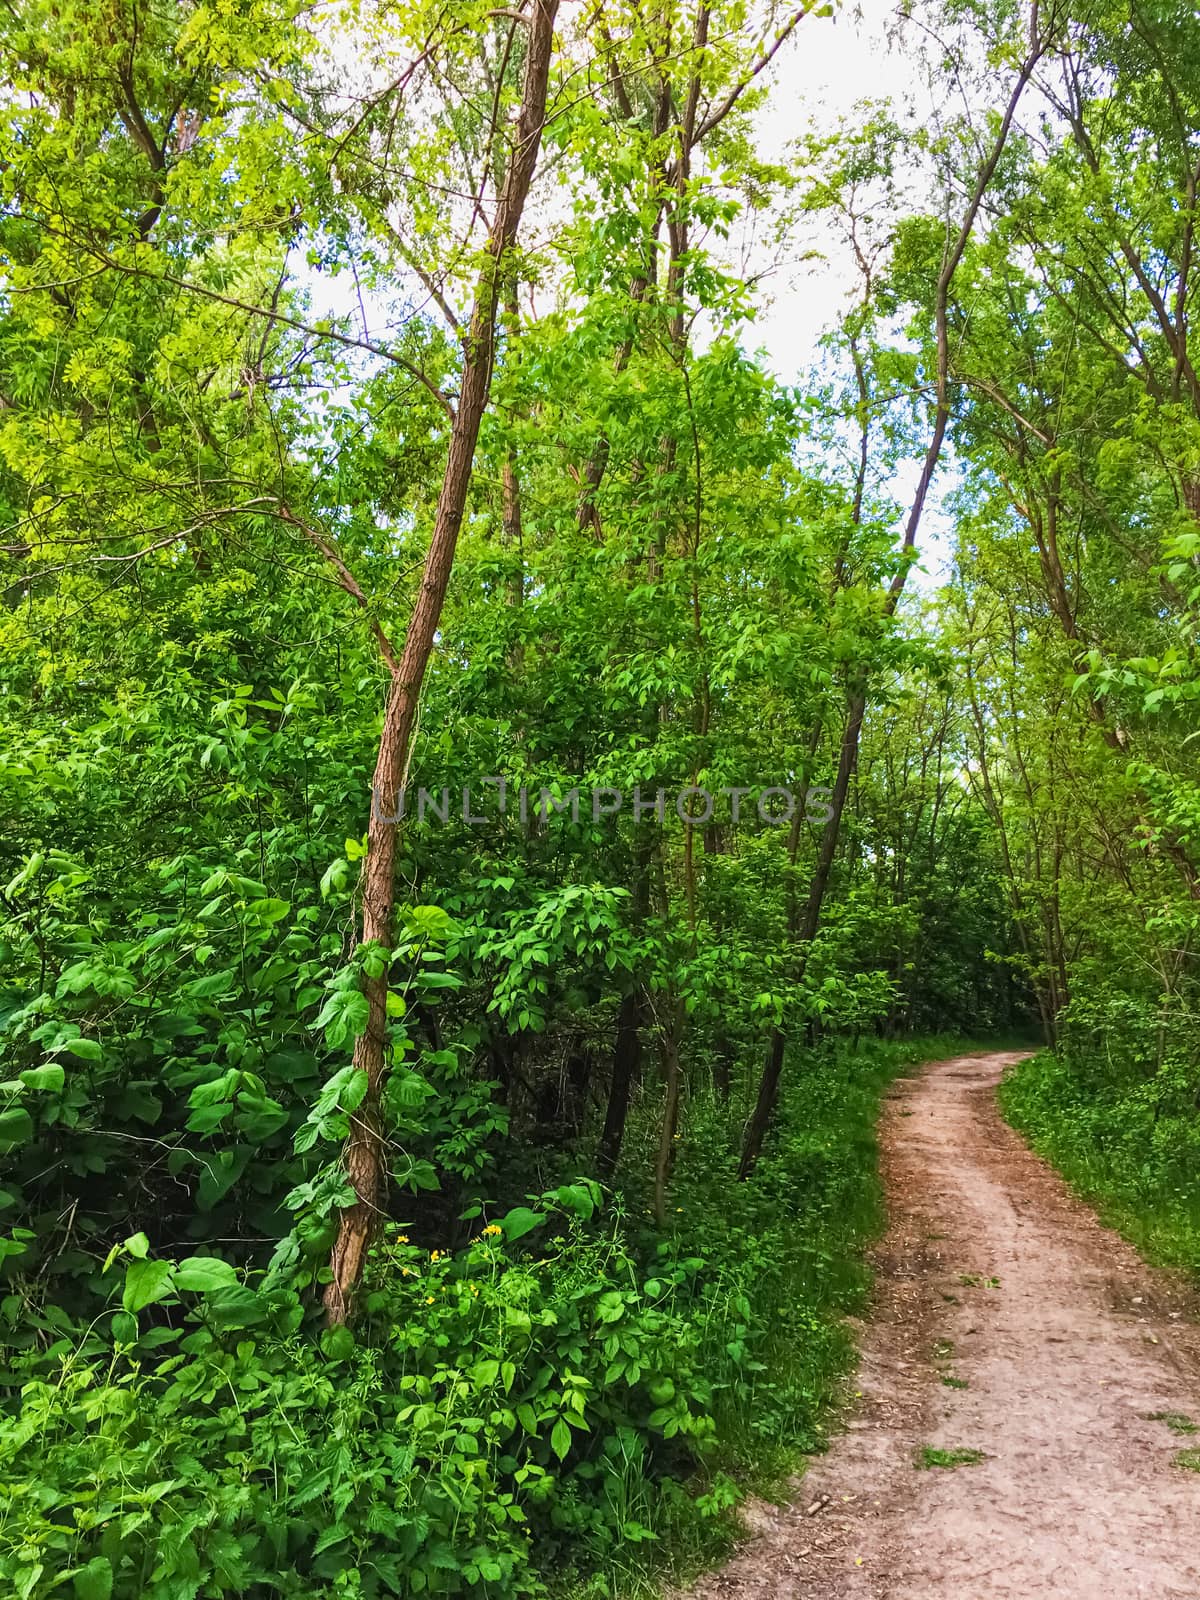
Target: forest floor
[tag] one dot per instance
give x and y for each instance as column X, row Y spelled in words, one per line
column 1007, row 1324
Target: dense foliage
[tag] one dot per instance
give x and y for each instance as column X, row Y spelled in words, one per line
column 1078, row 601
column 435, row 1151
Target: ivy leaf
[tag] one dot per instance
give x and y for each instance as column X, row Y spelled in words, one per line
column 577, row 1198
column 337, row 1344
column 236, row 1306
column 266, row 912
column 353, row 1091
column 343, row 1016
column 220, row 1174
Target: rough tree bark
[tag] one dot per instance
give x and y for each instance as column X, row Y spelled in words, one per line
column 364, row 1156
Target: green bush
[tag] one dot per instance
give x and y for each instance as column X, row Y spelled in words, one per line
column 493, row 1399
column 556, row 1397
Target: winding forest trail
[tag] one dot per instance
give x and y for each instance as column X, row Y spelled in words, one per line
column 993, row 1275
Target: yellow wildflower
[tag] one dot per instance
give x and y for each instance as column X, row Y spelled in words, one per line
column 492, row 1228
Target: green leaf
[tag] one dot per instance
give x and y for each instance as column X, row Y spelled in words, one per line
column 265, row 912
column 50, row 1077
column 337, row 1343
column 95, row 1581
column 16, row 1128
column 145, row 1283
column 85, row 1049
column 124, row 1328
column 219, row 1174
column 334, row 878
column 520, row 1221
column 235, row 1306
column 343, row 1016
column 353, row 1091
column 560, row 1439
column 201, row 1274
column 576, row 1198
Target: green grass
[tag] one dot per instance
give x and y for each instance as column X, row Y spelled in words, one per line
column 954, row 1383
column 928, row 1457
column 1175, row 1420
column 1126, row 1140
column 1188, row 1459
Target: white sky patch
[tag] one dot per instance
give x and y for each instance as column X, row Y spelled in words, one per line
column 833, row 67
column 834, row 64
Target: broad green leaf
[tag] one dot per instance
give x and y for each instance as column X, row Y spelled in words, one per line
column 50, row 1077
column 85, row 1049
column 520, row 1221
column 124, row 1328
column 16, row 1128
column 146, row 1282
column 338, row 1343
column 200, row 1274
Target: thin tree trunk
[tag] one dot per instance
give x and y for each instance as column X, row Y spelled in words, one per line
column 768, row 1090
column 626, row 1063
column 768, row 1087
column 364, row 1157
column 670, row 1116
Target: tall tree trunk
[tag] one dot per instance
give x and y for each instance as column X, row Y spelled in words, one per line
column 626, row 1063
column 670, row 1117
column 631, row 1014
column 768, row 1087
column 364, row 1156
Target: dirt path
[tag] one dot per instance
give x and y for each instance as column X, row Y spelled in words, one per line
column 993, row 1276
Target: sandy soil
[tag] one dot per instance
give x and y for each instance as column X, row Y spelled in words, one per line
column 994, row 1275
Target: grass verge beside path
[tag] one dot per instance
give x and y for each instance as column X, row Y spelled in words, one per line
column 1123, row 1141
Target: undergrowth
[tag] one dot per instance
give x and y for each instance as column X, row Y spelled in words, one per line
column 1125, row 1136
column 571, row 1402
